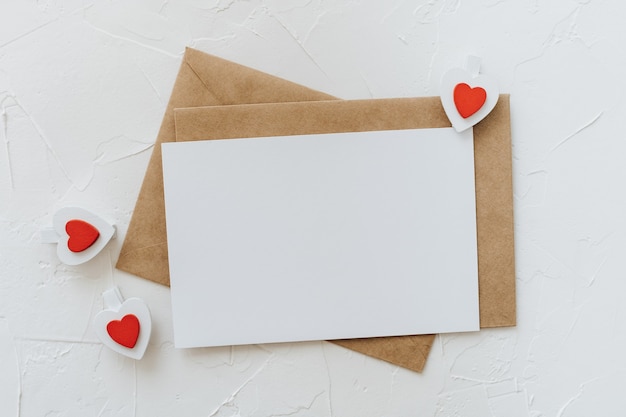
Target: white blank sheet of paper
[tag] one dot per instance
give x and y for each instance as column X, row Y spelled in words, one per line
column 317, row 237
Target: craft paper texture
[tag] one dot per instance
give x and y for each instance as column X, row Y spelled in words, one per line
column 295, row 238
column 206, row 80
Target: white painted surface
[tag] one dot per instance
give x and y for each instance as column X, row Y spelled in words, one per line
column 83, row 86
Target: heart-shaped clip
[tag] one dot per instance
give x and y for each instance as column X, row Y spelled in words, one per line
column 123, row 326
column 468, row 97
column 80, row 235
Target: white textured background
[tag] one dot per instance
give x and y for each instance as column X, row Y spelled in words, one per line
column 83, row 87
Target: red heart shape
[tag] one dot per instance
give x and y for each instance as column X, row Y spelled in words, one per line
column 82, row 235
column 124, row 332
column 468, row 100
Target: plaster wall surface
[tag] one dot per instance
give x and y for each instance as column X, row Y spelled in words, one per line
column 83, row 88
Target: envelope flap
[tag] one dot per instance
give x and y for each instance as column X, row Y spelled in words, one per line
column 244, row 85
column 409, row 352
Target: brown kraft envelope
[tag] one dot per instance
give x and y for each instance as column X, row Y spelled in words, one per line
column 205, row 80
